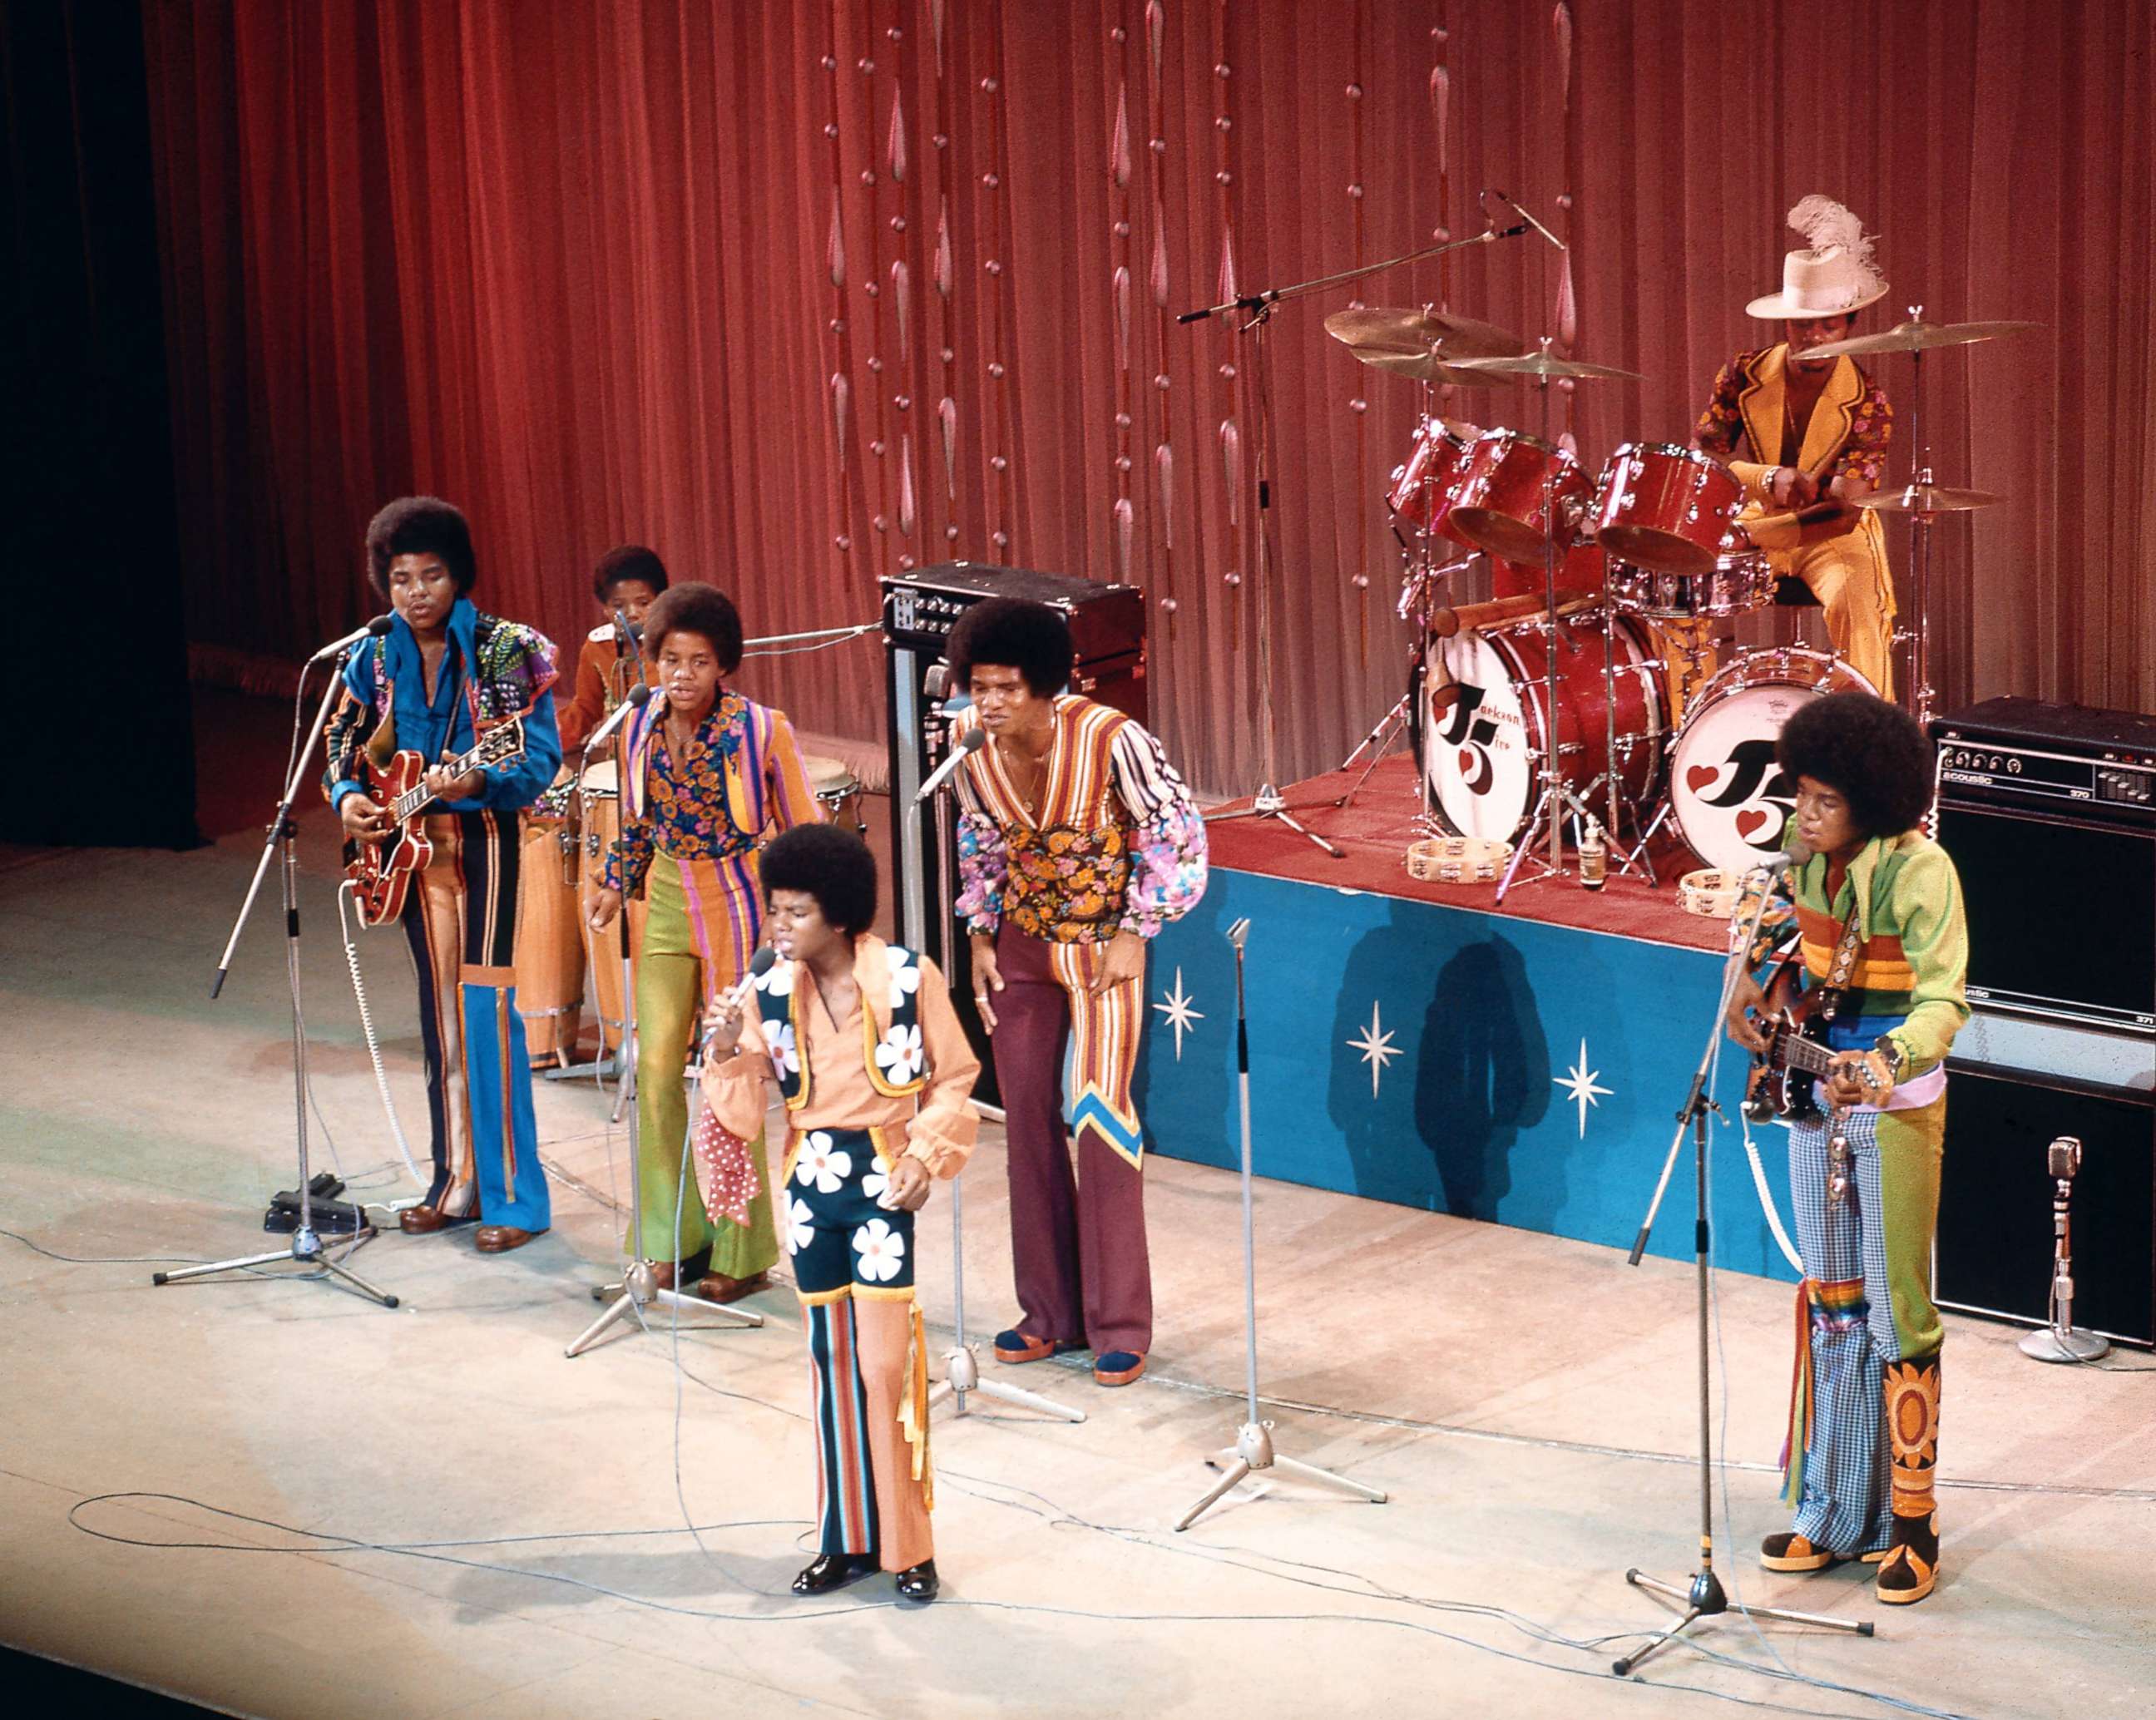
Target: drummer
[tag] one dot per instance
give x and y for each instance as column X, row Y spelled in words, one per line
column 1803, row 434
column 626, row 583
column 553, row 895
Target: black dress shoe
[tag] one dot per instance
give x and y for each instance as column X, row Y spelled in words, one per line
column 834, row 1570
column 919, row 1582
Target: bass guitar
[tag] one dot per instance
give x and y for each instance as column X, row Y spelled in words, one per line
column 382, row 872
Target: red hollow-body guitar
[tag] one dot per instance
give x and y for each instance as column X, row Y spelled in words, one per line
column 382, row 872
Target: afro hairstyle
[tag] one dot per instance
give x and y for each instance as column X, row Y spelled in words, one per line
column 830, row 863
column 420, row 526
column 629, row 561
column 1013, row 632
column 1872, row 753
column 693, row 607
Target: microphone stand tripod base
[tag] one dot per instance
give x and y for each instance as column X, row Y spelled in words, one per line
column 639, row 1290
column 305, row 1249
column 1268, row 802
column 1253, row 1453
column 1705, row 1600
column 2070, row 1344
column 961, row 1378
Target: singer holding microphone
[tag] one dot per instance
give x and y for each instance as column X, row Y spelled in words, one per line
column 444, row 675
column 705, row 773
column 1077, row 842
column 1884, row 952
column 859, row 1038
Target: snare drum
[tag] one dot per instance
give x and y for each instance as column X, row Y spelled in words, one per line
column 1729, row 797
column 1735, row 583
column 1499, row 500
column 1669, row 508
column 1422, row 490
column 1486, row 732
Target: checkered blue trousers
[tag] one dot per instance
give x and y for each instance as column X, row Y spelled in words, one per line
column 1846, row 1504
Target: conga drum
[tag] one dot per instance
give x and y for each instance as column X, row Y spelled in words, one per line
column 550, row 945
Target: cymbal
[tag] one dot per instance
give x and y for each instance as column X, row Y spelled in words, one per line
column 1926, row 499
column 1424, row 344
column 1918, row 336
column 1546, row 364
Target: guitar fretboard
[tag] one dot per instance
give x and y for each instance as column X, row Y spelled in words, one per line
column 504, row 743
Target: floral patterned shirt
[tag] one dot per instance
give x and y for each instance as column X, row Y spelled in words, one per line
column 1129, row 859
column 686, row 806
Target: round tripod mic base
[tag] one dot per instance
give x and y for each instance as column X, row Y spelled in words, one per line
column 2050, row 1344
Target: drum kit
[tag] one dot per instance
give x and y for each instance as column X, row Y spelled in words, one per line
column 1585, row 692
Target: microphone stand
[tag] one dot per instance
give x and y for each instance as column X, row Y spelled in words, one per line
column 1252, row 1448
column 282, row 844
column 962, row 1366
column 639, row 1287
column 1257, row 308
column 1705, row 1597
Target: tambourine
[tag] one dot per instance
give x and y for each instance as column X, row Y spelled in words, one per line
column 1458, row 860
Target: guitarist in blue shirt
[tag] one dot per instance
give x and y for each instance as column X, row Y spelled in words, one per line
column 444, row 676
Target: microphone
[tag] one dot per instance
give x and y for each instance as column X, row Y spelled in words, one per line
column 766, row 959
column 639, row 695
column 1774, row 864
column 1505, row 198
column 626, row 628
column 373, row 630
column 974, row 740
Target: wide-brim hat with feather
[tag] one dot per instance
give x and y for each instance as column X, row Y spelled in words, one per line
column 1833, row 274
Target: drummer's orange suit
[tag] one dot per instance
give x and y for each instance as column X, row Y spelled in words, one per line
column 1844, row 566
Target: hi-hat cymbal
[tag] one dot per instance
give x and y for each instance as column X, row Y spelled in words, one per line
column 1547, row 364
column 1424, row 344
column 1918, row 336
column 1926, row 499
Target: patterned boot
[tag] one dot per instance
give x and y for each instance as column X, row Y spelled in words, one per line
column 1912, row 1566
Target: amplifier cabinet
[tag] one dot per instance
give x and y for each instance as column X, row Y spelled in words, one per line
column 920, row 608
column 2049, row 814
column 1995, row 1230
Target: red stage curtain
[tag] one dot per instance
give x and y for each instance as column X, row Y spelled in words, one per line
column 802, row 295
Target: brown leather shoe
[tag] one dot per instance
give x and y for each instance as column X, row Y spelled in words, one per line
column 718, row 1288
column 500, row 1239
column 422, row 1220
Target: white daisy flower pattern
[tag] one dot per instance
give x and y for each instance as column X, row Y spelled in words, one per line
column 878, row 1179
column 900, row 1057
column 785, row 1054
column 905, row 976
column 882, row 1250
column 824, row 1166
column 777, row 980
column 800, row 1230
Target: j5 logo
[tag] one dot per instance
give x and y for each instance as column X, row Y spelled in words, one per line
column 1471, row 732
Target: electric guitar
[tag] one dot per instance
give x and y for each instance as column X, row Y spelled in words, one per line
column 382, row 871
column 1784, row 1076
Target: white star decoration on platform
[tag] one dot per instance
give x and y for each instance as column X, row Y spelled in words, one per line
column 1377, row 1048
column 1180, row 1016
column 1578, row 1084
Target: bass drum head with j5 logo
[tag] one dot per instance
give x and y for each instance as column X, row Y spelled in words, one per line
column 1729, row 796
column 1485, row 733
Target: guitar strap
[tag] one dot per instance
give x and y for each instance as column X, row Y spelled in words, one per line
column 1844, row 965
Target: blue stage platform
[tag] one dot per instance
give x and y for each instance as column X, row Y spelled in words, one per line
column 1490, row 1064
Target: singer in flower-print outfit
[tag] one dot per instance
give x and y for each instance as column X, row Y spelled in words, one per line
column 859, row 1038
column 1077, row 842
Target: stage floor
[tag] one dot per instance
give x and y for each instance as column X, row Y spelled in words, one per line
column 1528, row 1400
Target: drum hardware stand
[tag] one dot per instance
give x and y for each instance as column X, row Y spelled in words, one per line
column 2062, row 1340
column 1555, row 798
column 1257, row 308
column 306, row 1248
column 1705, row 1597
column 1622, row 806
column 1253, row 1450
column 962, row 1366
